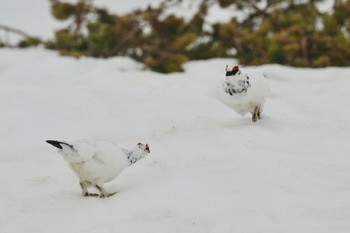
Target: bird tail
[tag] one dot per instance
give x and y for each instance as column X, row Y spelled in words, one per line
column 58, row 144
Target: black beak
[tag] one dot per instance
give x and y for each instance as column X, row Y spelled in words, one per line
column 147, row 149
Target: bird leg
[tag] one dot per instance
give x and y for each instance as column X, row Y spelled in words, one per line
column 85, row 192
column 103, row 192
column 256, row 114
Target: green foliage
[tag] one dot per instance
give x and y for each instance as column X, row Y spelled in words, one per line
column 62, row 11
column 29, row 42
column 292, row 36
column 165, row 62
column 108, row 39
column 292, row 33
column 67, row 41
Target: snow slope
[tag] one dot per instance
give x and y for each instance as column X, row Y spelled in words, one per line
column 210, row 170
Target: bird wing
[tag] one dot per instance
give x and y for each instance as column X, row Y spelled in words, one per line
column 78, row 151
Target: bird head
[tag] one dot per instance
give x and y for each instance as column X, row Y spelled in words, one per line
column 232, row 72
column 143, row 147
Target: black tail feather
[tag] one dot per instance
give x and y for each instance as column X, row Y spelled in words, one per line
column 58, row 144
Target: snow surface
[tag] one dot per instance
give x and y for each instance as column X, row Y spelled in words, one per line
column 210, row 170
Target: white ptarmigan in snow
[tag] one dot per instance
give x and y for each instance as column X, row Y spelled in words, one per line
column 244, row 93
column 97, row 162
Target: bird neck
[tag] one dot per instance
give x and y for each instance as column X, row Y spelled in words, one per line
column 134, row 155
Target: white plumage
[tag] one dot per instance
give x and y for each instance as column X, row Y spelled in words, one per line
column 244, row 92
column 98, row 162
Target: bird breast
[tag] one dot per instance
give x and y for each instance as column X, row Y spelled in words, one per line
column 243, row 93
column 105, row 164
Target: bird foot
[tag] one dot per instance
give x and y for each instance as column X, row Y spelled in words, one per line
column 107, row 195
column 91, row 195
column 103, row 192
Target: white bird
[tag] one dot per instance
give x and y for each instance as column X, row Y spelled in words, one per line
column 244, row 93
column 98, row 162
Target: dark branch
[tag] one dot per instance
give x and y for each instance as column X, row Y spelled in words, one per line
column 14, row 30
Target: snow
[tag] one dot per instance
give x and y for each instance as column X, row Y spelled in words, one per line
column 210, row 169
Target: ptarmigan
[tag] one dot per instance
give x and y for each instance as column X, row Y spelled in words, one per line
column 97, row 162
column 244, row 93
